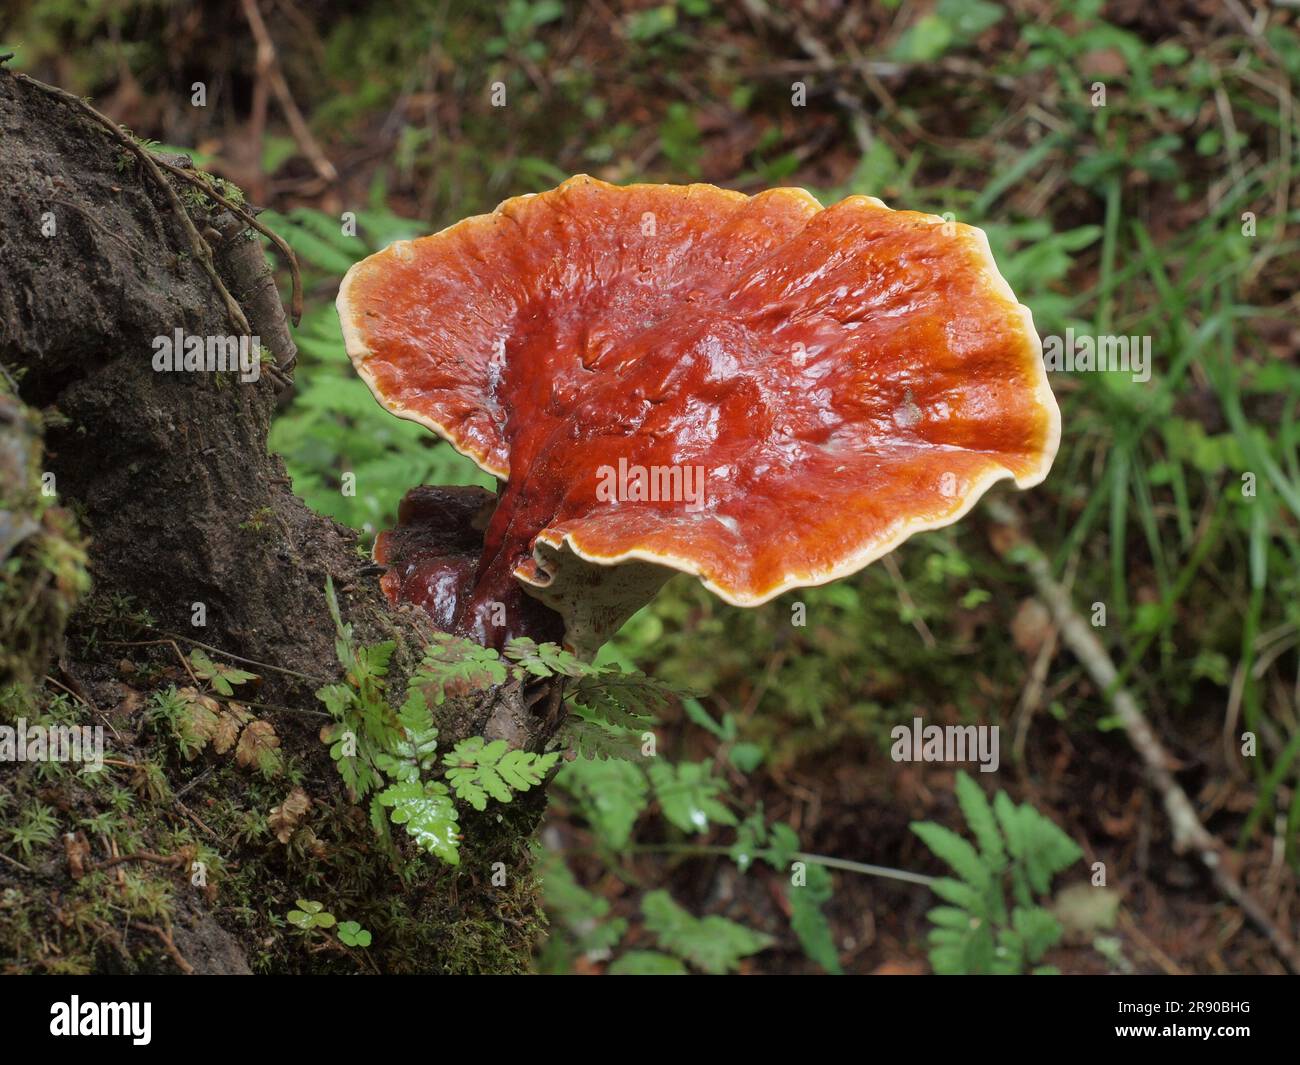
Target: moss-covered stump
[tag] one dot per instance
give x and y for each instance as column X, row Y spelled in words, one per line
column 191, row 846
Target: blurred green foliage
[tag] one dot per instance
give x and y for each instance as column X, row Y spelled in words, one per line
column 335, row 425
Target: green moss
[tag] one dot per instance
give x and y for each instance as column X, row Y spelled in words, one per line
column 199, row 203
column 425, row 917
column 259, row 522
column 42, row 557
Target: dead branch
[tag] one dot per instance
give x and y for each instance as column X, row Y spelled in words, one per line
column 1189, row 833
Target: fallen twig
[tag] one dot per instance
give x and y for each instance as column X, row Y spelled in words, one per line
column 15, row 862
column 172, row 637
column 170, row 945
column 1189, row 833
column 268, row 63
column 174, row 860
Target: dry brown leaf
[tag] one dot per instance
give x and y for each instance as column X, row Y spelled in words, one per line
column 257, row 747
column 233, row 718
column 77, row 848
column 132, row 700
column 1085, row 911
column 285, row 817
column 1030, row 627
column 226, row 733
column 1103, row 63
column 308, row 842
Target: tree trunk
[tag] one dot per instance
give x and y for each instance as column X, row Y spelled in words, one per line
column 189, row 517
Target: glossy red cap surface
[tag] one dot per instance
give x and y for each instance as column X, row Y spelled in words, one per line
column 835, row 378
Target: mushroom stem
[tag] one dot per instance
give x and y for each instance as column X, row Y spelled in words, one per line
column 435, row 558
column 499, row 609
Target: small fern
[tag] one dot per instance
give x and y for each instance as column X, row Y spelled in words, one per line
column 626, row 699
column 620, row 702
column 545, row 659
column 978, row 932
column 453, row 666
column 477, row 770
column 392, row 756
column 594, row 740
column 427, row 811
column 611, row 795
column 713, row 944
column 690, row 795
column 197, row 721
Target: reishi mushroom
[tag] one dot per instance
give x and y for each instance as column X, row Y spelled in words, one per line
column 808, row 386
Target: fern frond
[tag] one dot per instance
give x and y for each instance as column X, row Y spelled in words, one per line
column 712, row 943
column 453, row 666
column 591, row 739
column 427, row 812
column 478, row 770
column 545, row 659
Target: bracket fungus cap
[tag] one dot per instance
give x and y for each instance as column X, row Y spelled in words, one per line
column 756, row 390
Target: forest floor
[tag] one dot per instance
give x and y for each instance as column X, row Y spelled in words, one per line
column 1124, row 218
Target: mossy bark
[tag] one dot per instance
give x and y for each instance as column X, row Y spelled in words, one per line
column 169, row 477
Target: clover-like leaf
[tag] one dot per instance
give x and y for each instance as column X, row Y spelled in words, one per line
column 310, row 914
column 351, row 933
